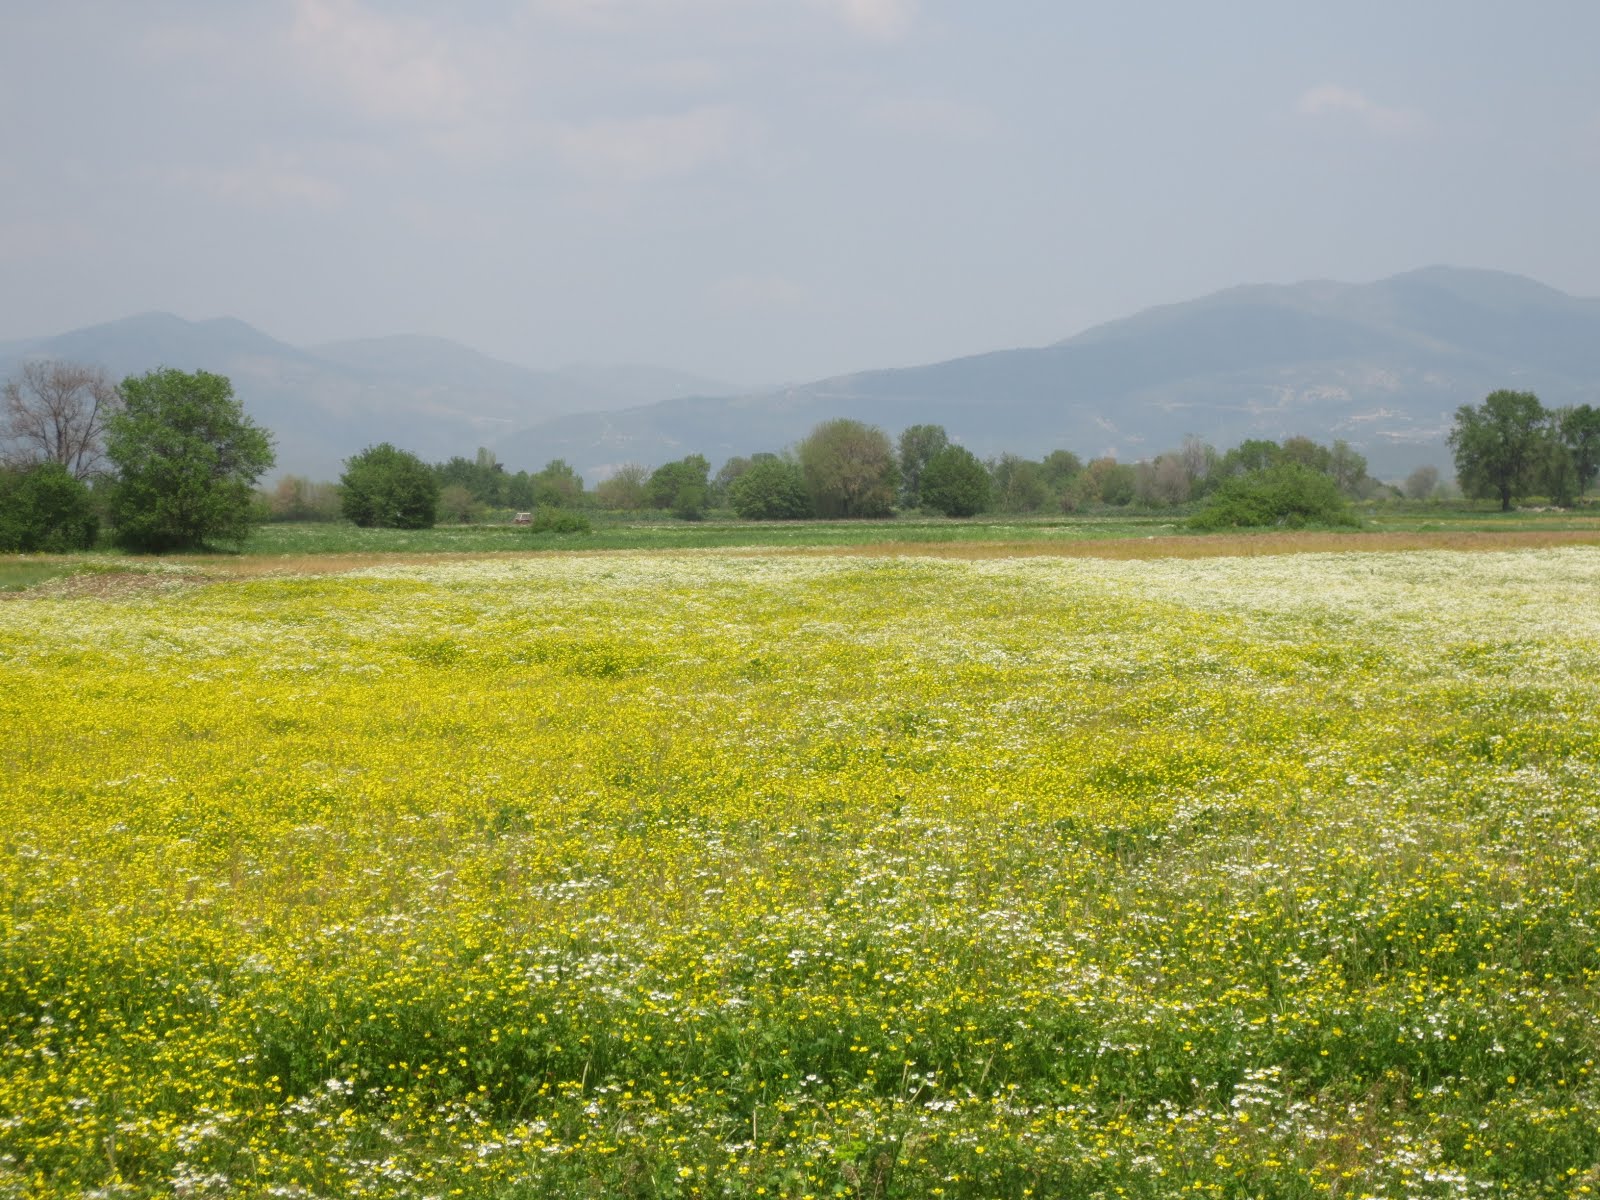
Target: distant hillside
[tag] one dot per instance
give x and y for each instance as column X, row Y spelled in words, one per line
column 1382, row 365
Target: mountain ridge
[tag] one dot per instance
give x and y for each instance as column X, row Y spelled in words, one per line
column 1381, row 364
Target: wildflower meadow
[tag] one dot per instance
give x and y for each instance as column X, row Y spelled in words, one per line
column 743, row 874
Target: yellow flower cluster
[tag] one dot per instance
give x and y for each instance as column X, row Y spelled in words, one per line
column 719, row 874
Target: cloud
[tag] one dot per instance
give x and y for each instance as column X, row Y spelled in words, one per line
column 390, row 67
column 878, row 19
column 638, row 149
column 764, row 292
column 1331, row 100
column 883, row 19
column 929, row 117
column 271, row 181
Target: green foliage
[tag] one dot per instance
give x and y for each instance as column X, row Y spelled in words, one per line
column 549, row 518
column 773, row 489
column 1289, row 495
column 45, row 508
column 955, row 483
column 296, row 498
column 483, row 477
column 187, row 459
column 1018, row 484
column 389, row 488
column 665, row 487
column 1579, row 431
column 624, row 490
column 849, row 469
column 1497, row 445
column 918, row 445
column 557, row 485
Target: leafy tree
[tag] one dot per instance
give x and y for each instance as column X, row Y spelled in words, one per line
column 623, row 489
column 1287, row 494
column 1058, row 469
column 1301, row 449
column 1421, row 483
column 1109, row 482
column 456, row 503
column 918, row 445
column 387, row 488
column 849, row 469
column 1497, row 445
column 1018, row 485
column 681, row 478
column 57, row 412
column 483, row 477
column 1579, row 429
column 296, row 498
column 1252, row 454
column 187, row 460
column 45, row 508
column 773, row 489
column 955, row 483
column 1349, row 470
column 1162, row 482
column 557, row 485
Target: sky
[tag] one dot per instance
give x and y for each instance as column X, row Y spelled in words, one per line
column 765, row 191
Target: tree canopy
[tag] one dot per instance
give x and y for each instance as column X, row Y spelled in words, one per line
column 187, row 459
column 955, row 483
column 1497, row 445
column 849, row 469
column 389, row 488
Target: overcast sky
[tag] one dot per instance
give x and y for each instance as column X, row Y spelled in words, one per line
column 769, row 190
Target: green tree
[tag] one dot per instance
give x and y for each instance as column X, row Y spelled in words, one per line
column 1579, row 429
column 623, row 489
column 1497, row 445
column 849, row 469
column 45, row 508
column 772, row 489
column 187, row 461
column 1018, row 484
column 955, row 483
column 1288, row 494
column 675, row 481
column 557, row 485
column 917, row 446
column 387, row 488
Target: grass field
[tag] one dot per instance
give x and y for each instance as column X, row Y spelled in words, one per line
column 735, row 873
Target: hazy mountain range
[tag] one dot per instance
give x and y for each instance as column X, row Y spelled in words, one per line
column 1382, row 365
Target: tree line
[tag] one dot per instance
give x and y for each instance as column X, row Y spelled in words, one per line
column 170, row 461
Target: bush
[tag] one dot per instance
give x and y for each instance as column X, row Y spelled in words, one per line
column 45, row 508
column 547, row 518
column 773, row 489
column 955, row 483
column 1287, row 495
column 389, row 488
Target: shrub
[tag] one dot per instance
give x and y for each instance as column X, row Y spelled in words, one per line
column 389, row 488
column 955, row 483
column 1286, row 495
column 773, row 489
column 547, row 518
column 45, row 508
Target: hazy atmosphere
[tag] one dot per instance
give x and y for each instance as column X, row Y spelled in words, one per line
column 770, row 191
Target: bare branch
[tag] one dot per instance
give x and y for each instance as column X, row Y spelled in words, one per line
column 57, row 412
